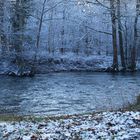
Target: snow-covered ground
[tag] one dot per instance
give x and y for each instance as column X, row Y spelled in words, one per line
column 67, row 62
column 75, row 63
column 56, row 63
column 105, row 126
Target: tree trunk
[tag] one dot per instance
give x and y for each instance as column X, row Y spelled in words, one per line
column 120, row 36
column 114, row 35
column 38, row 36
column 2, row 34
column 133, row 51
column 126, row 44
column 40, row 25
column 20, row 15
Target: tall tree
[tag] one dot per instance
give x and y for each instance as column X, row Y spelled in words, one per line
column 133, row 51
column 20, row 14
column 40, row 24
column 114, row 34
column 2, row 35
column 120, row 35
column 50, row 32
column 63, row 39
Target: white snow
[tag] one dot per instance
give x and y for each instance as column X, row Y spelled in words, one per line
column 107, row 125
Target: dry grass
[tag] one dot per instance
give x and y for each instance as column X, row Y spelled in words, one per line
column 134, row 107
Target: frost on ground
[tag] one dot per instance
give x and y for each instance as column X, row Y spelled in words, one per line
column 75, row 63
column 55, row 63
column 99, row 126
column 67, row 62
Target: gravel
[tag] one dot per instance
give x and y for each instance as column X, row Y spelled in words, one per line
column 99, row 126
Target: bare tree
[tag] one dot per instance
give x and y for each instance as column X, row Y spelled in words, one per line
column 133, row 51
column 114, row 35
column 2, row 35
column 120, row 34
column 20, row 11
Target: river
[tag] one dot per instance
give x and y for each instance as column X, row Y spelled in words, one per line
column 67, row 93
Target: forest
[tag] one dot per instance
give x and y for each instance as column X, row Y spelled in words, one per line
column 49, row 33
column 69, row 69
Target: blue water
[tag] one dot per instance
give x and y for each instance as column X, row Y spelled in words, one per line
column 67, row 93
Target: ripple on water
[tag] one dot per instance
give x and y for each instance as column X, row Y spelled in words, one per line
column 67, row 93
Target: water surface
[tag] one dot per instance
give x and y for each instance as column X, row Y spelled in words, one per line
column 67, row 93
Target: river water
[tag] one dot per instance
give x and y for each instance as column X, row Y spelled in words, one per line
column 67, row 93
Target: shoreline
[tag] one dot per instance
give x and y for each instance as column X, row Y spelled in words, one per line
column 117, row 125
column 66, row 63
column 134, row 107
column 73, row 71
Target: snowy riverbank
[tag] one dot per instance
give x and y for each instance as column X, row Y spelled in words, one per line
column 74, row 63
column 107, row 125
column 68, row 62
column 60, row 63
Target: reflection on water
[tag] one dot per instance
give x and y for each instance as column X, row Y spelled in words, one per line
column 62, row 93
